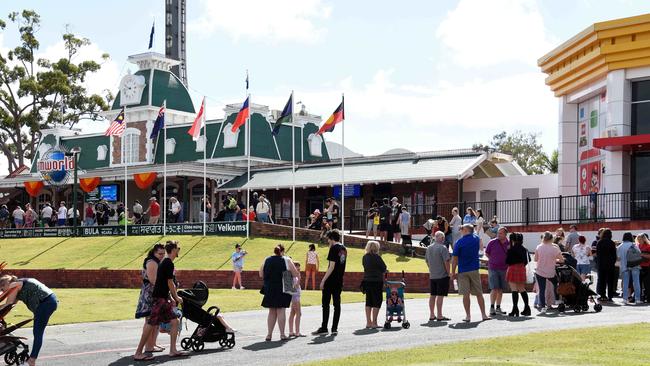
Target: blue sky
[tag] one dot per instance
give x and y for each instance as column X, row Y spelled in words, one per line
column 423, row 75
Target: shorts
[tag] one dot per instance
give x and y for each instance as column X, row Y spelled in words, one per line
column 469, row 283
column 439, row 286
column 311, row 267
column 61, row 222
column 162, row 311
column 374, row 294
column 384, row 227
column 395, row 310
column 237, row 269
column 18, row 221
column 584, row 269
column 497, row 279
column 370, row 226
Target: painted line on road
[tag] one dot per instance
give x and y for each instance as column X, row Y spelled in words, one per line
column 86, row 353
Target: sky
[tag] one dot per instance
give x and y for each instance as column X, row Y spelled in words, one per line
column 421, row 75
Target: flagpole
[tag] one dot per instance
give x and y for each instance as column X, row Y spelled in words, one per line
column 164, row 178
column 248, row 155
column 293, row 173
column 343, row 174
column 126, row 185
column 205, row 147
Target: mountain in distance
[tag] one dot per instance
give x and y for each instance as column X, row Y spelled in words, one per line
column 334, row 150
column 397, row 151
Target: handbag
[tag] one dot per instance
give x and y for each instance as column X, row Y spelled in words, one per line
column 375, row 220
column 530, row 272
column 287, row 281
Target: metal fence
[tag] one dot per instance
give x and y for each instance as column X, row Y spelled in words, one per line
column 546, row 210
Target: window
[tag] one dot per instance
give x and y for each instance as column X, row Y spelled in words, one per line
column 641, row 172
column 429, row 202
column 200, row 144
column 42, row 198
column 131, row 146
column 358, row 203
column 641, row 107
column 170, row 146
column 102, row 151
column 406, row 200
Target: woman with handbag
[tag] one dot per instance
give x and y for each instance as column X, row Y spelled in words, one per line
column 517, row 258
column 277, row 298
column 374, row 269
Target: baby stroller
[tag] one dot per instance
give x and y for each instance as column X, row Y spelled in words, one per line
column 428, row 227
column 574, row 292
column 395, row 302
column 15, row 351
column 209, row 327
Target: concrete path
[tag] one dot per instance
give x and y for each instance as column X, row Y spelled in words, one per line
column 113, row 343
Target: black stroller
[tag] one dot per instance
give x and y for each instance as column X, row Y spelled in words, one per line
column 209, row 327
column 15, row 351
column 574, row 292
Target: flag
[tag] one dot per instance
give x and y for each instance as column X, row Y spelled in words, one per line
column 160, row 122
column 286, row 116
column 242, row 116
column 246, row 79
column 151, row 35
column 337, row 117
column 118, row 125
column 195, row 130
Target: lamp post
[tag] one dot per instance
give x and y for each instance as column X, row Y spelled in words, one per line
column 74, row 153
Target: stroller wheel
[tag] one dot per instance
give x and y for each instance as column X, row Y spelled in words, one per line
column 387, row 325
column 577, row 308
column 230, row 343
column 585, row 307
column 598, row 308
column 223, row 342
column 561, row 308
column 197, row 345
column 186, row 343
column 11, row 358
column 22, row 357
column 406, row 325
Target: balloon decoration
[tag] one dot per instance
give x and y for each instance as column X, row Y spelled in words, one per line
column 144, row 180
column 34, row 188
column 88, row 184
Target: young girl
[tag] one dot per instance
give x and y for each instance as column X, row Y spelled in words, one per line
column 311, row 269
column 295, row 313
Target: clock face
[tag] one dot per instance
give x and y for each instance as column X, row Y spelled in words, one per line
column 131, row 89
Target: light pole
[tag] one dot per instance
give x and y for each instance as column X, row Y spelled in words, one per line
column 74, row 153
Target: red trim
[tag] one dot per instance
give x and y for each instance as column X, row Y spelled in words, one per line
column 625, row 143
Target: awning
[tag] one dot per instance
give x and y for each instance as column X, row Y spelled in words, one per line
column 623, row 143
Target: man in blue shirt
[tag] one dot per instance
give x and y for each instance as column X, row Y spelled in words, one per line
column 466, row 259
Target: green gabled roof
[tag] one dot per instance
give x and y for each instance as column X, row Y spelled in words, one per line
column 284, row 143
column 88, row 156
column 166, row 86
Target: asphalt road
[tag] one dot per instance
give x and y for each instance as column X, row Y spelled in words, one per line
column 113, row 343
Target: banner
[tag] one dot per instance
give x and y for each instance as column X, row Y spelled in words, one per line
column 89, row 184
column 34, row 188
column 144, row 180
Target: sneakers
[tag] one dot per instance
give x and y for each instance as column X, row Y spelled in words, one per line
column 334, row 331
column 492, row 311
column 499, row 311
column 543, row 310
column 234, row 288
column 242, row 288
column 320, row 330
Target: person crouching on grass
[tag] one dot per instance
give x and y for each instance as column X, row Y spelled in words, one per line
column 295, row 314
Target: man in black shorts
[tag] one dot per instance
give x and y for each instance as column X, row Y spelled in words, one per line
column 332, row 283
column 384, row 220
column 162, row 308
column 437, row 258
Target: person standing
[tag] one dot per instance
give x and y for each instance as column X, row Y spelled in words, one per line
column 237, row 258
column 582, row 254
column 466, row 258
column 547, row 255
column 479, row 225
column 30, row 216
column 627, row 253
column 332, row 212
column 46, row 214
column 572, row 238
column 89, row 215
column 517, row 258
column 62, row 214
column 143, row 309
column 384, row 220
column 254, row 201
column 455, row 224
column 137, row 212
column 437, row 258
column 38, row 298
column 404, row 222
column 374, row 269
column 312, row 266
column 606, row 251
column 296, row 311
column 4, row 216
column 162, row 308
column 332, row 282
column 153, row 211
column 470, row 216
column 19, row 217
column 71, row 215
column 644, row 276
column 371, row 226
column 396, row 210
column 206, row 210
column 175, row 210
column 497, row 252
column 275, row 299
column 444, row 226
column 263, row 209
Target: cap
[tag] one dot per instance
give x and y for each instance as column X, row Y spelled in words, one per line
column 237, row 246
column 152, row 199
column 393, row 199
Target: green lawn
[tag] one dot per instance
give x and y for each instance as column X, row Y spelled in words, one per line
column 92, row 305
column 197, row 253
column 615, row 346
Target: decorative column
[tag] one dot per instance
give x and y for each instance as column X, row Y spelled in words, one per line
column 567, row 148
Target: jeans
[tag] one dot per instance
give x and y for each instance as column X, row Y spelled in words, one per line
column 333, row 293
column 644, row 278
column 263, row 217
column 41, row 317
column 230, row 216
column 541, row 284
column 635, row 282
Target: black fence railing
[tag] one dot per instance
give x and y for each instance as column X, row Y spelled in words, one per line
column 546, row 210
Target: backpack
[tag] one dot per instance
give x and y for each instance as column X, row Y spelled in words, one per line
column 232, row 204
column 633, row 257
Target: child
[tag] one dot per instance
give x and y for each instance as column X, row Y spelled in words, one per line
column 295, row 313
column 582, row 252
column 237, row 258
column 394, row 305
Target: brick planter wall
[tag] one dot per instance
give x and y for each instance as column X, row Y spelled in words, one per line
column 103, row 278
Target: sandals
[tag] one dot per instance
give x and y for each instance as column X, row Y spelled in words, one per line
column 178, row 354
column 155, row 349
column 268, row 338
column 443, row 319
column 467, row 320
column 143, row 358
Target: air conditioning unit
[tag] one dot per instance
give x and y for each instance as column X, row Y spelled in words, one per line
column 610, row 132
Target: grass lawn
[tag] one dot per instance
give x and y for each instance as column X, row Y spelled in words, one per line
column 197, row 253
column 615, row 346
column 92, row 305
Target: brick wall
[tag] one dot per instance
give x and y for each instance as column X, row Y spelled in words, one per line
column 101, row 278
column 142, row 141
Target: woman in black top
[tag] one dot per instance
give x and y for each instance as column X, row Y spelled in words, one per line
column 607, row 277
column 374, row 269
column 516, row 259
column 274, row 298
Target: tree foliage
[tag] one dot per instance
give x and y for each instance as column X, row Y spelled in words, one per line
column 524, row 148
column 37, row 93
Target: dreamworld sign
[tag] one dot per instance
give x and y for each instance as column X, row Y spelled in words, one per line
column 55, row 166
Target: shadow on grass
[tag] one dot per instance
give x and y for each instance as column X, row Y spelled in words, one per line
column 191, row 248
column 24, row 263
column 102, row 252
column 141, row 255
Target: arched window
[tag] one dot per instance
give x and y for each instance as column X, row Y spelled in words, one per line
column 131, row 146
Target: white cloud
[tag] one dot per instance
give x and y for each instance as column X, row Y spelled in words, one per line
column 272, row 21
column 481, row 33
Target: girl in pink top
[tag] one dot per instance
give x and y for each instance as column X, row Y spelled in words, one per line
column 547, row 255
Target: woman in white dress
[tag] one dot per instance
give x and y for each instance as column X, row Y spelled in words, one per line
column 455, row 223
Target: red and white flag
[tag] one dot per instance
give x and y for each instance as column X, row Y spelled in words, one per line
column 118, row 125
column 199, row 121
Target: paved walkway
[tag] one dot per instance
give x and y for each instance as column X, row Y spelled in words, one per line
column 113, row 343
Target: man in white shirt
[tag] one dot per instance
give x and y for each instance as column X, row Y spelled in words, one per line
column 19, row 217
column 263, row 208
column 46, row 214
column 62, row 214
column 137, row 212
column 71, row 216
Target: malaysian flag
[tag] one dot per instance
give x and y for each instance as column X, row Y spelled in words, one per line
column 118, row 125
